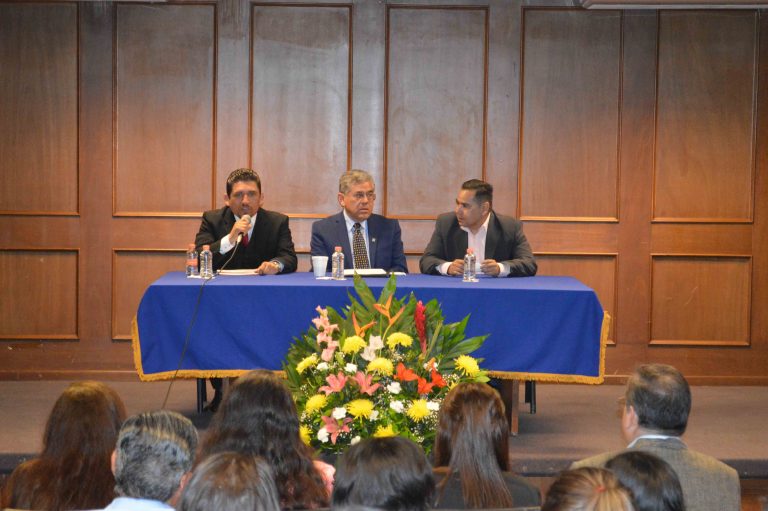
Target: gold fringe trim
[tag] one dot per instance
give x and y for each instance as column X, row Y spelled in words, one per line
column 565, row 378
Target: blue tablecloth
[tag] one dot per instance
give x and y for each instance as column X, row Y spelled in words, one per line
column 541, row 328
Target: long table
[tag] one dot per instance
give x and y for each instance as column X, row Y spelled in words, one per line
column 541, row 328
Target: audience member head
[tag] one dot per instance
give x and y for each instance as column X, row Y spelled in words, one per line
column 658, row 400
column 587, row 489
column 154, row 454
column 258, row 418
column 230, row 481
column 73, row 470
column 472, row 438
column 387, row 473
column 651, row 481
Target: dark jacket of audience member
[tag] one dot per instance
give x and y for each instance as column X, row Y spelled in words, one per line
column 390, row 473
column 230, row 481
column 472, row 453
column 73, row 469
column 587, row 489
column 651, row 481
column 258, row 417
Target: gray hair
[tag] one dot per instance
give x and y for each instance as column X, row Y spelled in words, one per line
column 154, row 450
column 661, row 398
column 353, row 177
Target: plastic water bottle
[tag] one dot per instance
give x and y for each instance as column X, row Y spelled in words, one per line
column 192, row 261
column 337, row 264
column 206, row 262
column 469, row 266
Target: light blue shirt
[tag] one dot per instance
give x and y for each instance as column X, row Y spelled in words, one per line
column 131, row 504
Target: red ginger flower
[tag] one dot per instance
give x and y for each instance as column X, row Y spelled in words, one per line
column 420, row 319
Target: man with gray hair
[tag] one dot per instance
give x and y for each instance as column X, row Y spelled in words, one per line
column 152, row 460
column 368, row 240
column 654, row 416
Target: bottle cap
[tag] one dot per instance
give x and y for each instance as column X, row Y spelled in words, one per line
column 191, row 246
column 206, row 247
column 337, row 249
column 470, row 251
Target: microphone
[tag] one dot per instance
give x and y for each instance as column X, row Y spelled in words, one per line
column 240, row 235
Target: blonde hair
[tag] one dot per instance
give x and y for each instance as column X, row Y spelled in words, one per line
column 587, row 489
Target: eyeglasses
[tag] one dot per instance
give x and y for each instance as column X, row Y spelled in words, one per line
column 358, row 196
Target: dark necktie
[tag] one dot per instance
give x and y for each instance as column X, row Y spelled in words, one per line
column 245, row 240
column 358, row 248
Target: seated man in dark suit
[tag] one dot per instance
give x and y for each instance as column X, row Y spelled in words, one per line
column 367, row 240
column 497, row 240
column 265, row 245
column 654, row 417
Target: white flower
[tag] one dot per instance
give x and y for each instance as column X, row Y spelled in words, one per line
column 339, row 413
column 322, row 434
column 433, row 406
column 350, row 368
column 394, row 387
column 374, row 344
column 374, row 415
column 322, row 366
column 397, row 406
column 354, row 440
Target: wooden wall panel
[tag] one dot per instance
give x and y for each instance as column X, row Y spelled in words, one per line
column 706, row 111
column 436, row 106
column 164, row 109
column 701, row 300
column 597, row 271
column 301, row 104
column 132, row 273
column 39, row 294
column 39, row 105
column 570, row 114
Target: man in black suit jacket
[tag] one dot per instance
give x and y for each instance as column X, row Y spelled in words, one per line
column 498, row 240
column 266, row 244
column 381, row 236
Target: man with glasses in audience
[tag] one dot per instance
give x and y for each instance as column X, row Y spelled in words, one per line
column 368, row 240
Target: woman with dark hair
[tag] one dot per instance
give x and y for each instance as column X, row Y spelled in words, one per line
column 472, row 453
column 230, row 481
column 258, row 418
column 390, row 473
column 652, row 482
column 587, row 489
column 73, row 470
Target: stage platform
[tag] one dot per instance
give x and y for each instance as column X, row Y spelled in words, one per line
column 572, row 422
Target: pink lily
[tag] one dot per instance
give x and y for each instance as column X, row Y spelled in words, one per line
column 336, row 382
column 335, row 428
column 327, row 354
column 365, row 383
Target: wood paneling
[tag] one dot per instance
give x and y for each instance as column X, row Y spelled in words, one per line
column 701, row 300
column 436, row 101
column 39, row 294
column 598, row 271
column 301, row 107
column 164, row 108
column 133, row 271
column 38, row 101
column 570, row 114
column 706, row 110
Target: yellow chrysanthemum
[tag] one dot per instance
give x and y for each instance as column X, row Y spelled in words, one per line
column 418, row 410
column 468, row 365
column 308, row 362
column 360, row 408
column 399, row 338
column 384, row 431
column 304, row 433
column 315, row 403
column 380, row 365
column 353, row 344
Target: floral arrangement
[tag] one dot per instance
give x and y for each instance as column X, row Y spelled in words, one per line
column 379, row 368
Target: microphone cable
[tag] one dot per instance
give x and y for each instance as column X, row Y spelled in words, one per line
column 191, row 324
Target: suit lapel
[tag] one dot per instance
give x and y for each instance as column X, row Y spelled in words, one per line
column 460, row 240
column 374, row 230
column 341, row 232
column 492, row 237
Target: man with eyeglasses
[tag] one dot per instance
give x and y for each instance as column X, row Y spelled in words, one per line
column 265, row 238
column 368, row 240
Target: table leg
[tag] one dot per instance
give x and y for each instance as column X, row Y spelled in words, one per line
column 510, row 395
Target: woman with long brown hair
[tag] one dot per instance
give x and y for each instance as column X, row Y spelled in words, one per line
column 472, row 453
column 73, row 470
column 258, row 417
